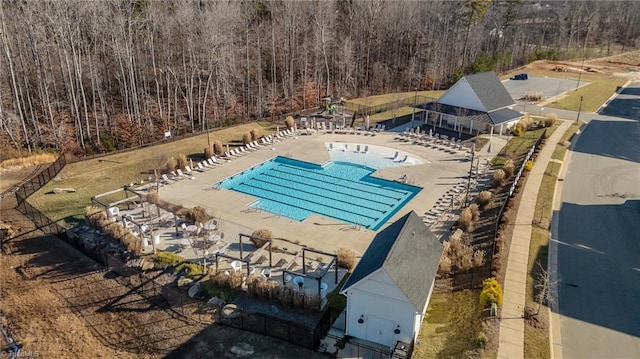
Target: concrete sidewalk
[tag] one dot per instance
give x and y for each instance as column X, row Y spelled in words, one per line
column 511, row 342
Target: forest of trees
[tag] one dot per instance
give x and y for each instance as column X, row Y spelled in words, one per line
column 93, row 76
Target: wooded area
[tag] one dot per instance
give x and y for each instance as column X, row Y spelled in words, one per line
column 94, row 76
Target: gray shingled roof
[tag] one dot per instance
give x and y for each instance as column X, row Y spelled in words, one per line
column 503, row 115
column 409, row 252
column 490, row 90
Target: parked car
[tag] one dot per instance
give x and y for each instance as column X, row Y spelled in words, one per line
column 520, row 77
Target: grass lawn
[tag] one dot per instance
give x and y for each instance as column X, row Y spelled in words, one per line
column 453, row 323
column 596, row 93
column 518, row 146
column 387, row 115
column 391, row 97
column 107, row 173
column 561, row 149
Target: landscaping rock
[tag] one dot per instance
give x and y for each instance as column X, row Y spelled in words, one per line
column 242, row 349
column 184, row 282
column 231, row 311
column 216, row 302
column 63, row 190
column 196, row 291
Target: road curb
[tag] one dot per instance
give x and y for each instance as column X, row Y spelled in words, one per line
column 555, row 336
column 616, row 93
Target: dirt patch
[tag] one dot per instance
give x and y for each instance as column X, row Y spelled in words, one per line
column 59, row 303
column 627, row 64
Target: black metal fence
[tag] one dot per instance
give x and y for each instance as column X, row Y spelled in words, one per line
column 43, row 222
column 37, row 182
column 387, row 106
column 522, row 164
column 292, row 332
column 357, row 349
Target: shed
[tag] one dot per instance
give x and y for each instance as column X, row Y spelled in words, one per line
column 389, row 290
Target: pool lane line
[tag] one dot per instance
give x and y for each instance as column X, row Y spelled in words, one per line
column 378, row 187
column 338, row 177
column 323, row 196
column 333, row 184
column 306, row 200
column 323, row 204
column 328, row 190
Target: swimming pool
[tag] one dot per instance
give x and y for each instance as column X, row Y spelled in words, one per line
column 340, row 190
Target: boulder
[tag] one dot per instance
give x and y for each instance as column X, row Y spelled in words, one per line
column 196, row 291
column 184, row 282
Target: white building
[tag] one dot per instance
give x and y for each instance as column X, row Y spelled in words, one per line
column 389, row 290
column 476, row 103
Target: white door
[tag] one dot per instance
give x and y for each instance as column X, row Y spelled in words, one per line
column 379, row 330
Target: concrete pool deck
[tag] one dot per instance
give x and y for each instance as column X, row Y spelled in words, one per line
column 438, row 172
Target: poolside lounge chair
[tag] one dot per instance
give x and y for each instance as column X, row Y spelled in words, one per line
column 181, row 174
column 396, row 156
column 200, row 167
column 358, row 149
column 176, row 176
column 165, row 179
column 331, row 147
column 346, row 147
column 404, row 159
column 209, row 163
column 366, row 149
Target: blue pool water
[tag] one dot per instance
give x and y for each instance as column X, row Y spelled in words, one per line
column 340, row 190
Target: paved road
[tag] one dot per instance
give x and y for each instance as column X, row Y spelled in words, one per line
column 597, row 237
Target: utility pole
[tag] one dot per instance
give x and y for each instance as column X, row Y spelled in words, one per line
column 579, row 109
column 415, row 102
column 473, row 151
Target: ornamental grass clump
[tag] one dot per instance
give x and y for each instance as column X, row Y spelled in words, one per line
column 484, row 199
column 499, row 178
column 346, row 258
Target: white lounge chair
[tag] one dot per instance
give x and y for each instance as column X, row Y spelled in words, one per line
column 181, row 174
column 366, row 149
column 331, row 147
column 176, row 176
column 396, row 156
column 357, row 148
column 404, row 159
column 200, row 167
column 165, row 179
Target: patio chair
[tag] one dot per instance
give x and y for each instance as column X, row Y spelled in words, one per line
column 358, row 149
column 366, row 149
column 200, row 167
column 165, row 179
